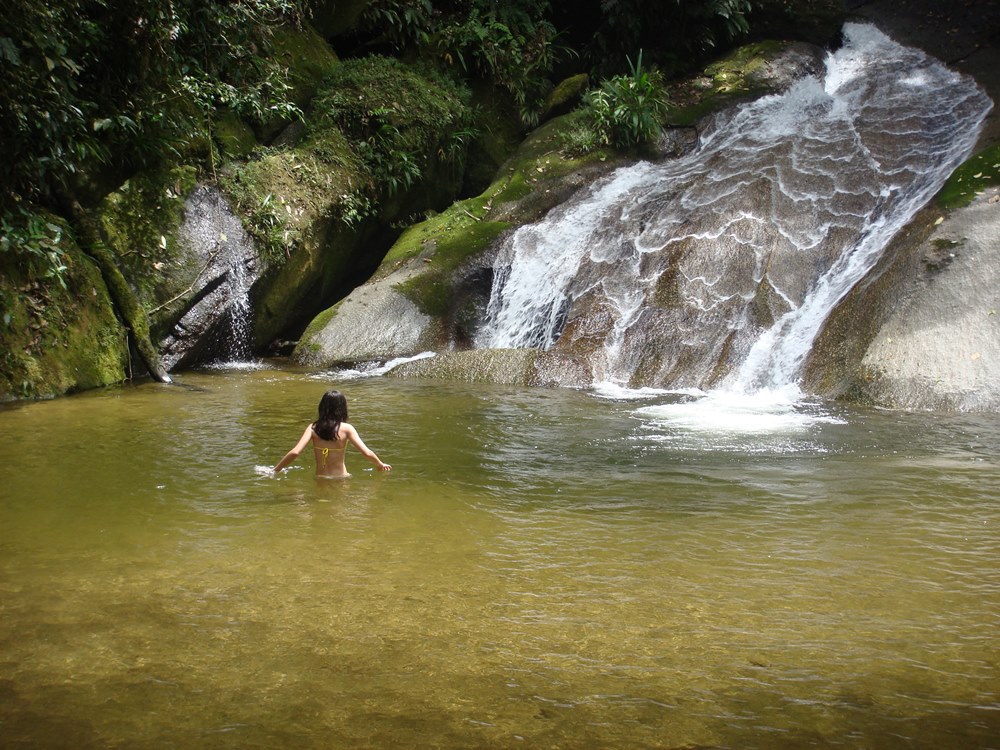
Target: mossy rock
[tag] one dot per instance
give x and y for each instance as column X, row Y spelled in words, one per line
column 56, row 339
column 140, row 221
column 971, row 179
column 308, row 59
column 234, row 137
column 498, row 134
column 442, row 266
column 532, row 182
column 565, row 96
column 746, row 73
column 318, row 208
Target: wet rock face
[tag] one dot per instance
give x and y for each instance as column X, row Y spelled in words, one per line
column 215, row 323
column 939, row 348
column 921, row 331
column 375, row 323
column 723, row 263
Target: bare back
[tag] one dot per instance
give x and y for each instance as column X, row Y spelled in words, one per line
column 330, row 456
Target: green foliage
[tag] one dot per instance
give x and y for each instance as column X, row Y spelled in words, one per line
column 511, row 45
column 399, row 22
column 60, row 337
column 680, row 30
column 89, row 83
column 627, row 111
column 34, row 240
column 393, row 119
column 971, row 179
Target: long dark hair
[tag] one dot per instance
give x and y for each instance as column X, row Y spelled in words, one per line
column 332, row 411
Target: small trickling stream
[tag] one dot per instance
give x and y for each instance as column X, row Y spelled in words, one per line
column 217, row 325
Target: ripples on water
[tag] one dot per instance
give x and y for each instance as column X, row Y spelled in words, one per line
column 542, row 568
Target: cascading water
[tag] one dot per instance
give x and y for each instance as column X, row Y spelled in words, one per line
column 217, row 326
column 237, row 302
column 721, row 266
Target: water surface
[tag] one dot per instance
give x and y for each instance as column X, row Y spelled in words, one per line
column 543, row 568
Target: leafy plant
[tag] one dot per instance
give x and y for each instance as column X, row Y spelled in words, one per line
column 36, row 240
column 88, row 83
column 627, row 110
column 680, row 31
column 511, row 45
column 399, row 22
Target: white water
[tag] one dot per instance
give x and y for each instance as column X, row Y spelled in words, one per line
column 218, row 324
column 756, row 236
column 240, row 311
column 371, row 369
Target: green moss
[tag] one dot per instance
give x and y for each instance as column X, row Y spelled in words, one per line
column 566, row 95
column 281, row 193
column 308, row 59
column 512, row 189
column 970, row 179
column 365, row 96
column 54, row 340
column 318, row 324
column 140, row 222
column 443, row 243
column 724, row 82
column 235, row 137
column 306, row 56
column 374, row 129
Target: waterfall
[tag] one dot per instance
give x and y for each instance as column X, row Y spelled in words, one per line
column 237, row 347
column 217, row 324
column 722, row 265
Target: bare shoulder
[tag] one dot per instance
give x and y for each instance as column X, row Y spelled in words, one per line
column 348, row 428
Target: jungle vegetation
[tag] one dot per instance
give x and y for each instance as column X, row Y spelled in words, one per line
column 93, row 92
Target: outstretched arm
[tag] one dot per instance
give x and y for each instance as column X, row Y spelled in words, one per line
column 294, row 452
column 367, row 452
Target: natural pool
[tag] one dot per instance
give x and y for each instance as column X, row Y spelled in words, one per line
column 543, row 568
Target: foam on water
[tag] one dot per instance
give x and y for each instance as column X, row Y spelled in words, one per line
column 249, row 365
column 370, row 369
column 763, row 412
column 617, row 392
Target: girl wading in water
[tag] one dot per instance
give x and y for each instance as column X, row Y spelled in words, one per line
column 330, row 434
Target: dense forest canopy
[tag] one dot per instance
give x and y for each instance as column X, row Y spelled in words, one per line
column 92, row 84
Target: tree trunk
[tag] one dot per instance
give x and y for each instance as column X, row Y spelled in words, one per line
column 132, row 313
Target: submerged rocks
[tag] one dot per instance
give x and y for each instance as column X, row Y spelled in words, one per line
column 522, row 367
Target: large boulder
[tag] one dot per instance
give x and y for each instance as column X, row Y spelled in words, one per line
column 940, row 347
column 923, row 332
column 442, row 266
column 59, row 333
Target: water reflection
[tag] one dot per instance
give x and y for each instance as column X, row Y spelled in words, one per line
column 541, row 568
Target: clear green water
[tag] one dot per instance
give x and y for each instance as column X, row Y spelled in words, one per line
column 542, row 569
